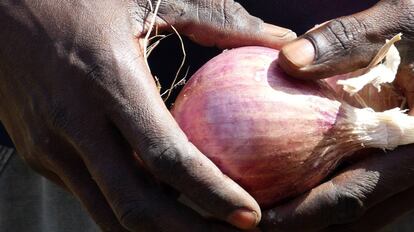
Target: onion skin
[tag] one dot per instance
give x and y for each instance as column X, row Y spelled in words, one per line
column 276, row 136
column 388, row 98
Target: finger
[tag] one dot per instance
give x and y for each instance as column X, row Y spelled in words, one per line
column 133, row 103
column 79, row 182
column 380, row 215
column 223, row 23
column 347, row 196
column 94, row 202
column 150, row 129
column 344, row 44
column 131, row 100
column 134, row 197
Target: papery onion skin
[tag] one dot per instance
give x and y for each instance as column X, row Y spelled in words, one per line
column 388, row 98
column 274, row 135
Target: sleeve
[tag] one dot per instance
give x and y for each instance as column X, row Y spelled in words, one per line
column 5, row 154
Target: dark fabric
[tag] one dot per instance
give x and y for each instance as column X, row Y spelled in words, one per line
column 5, row 154
column 31, row 203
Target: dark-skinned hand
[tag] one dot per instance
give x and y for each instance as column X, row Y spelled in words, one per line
column 82, row 108
column 371, row 193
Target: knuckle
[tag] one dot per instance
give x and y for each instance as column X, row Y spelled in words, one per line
column 346, row 32
column 141, row 214
column 163, row 158
column 175, row 163
column 236, row 17
column 133, row 216
column 345, row 36
column 99, row 63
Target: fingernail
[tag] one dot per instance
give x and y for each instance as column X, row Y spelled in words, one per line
column 244, row 219
column 279, row 32
column 300, row 53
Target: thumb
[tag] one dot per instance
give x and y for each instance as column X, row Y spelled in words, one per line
column 224, row 23
column 341, row 45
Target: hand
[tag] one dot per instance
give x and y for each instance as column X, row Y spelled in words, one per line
column 365, row 196
column 82, row 108
column 349, row 43
column 369, row 194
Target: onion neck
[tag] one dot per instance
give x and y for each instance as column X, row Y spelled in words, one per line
column 385, row 130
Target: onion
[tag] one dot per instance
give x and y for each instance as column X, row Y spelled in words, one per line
column 276, row 136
